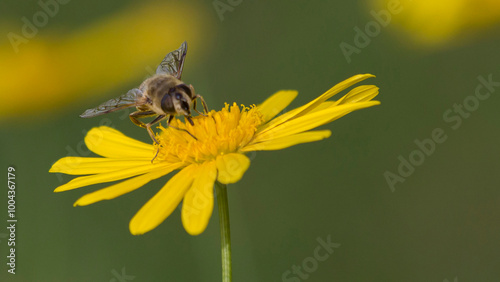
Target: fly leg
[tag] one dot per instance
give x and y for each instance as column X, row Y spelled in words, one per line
column 148, row 127
column 140, row 114
column 134, row 117
column 181, row 129
column 205, row 108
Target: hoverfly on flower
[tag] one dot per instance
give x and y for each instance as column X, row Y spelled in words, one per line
column 162, row 95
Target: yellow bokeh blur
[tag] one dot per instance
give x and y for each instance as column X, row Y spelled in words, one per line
column 430, row 23
column 48, row 72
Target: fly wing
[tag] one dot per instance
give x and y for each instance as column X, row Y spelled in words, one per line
column 173, row 62
column 130, row 99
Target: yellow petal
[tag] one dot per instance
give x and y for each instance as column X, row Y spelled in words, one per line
column 288, row 141
column 81, row 166
column 113, row 176
column 276, row 103
column 198, row 202
column 158, row 208
column 323, row 106
column 316, row 102
column 122, row 188
column 359, row 94
column 356, row 95
column 111, row 143
column 231, row 167
column 310, row 121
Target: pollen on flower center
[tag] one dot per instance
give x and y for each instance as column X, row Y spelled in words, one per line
column 218, row 133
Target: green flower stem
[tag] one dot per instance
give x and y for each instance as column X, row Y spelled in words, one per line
column 225, row 232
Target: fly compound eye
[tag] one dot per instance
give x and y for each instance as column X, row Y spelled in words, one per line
column 185, row 88
column 178, row 96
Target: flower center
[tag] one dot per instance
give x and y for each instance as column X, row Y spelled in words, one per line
column 218, row 133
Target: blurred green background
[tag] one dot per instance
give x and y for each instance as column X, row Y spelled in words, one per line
column 440, row 224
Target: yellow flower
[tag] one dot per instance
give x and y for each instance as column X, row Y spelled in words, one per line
column 433, row 23
column 217, row 153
